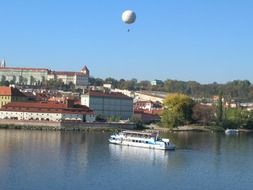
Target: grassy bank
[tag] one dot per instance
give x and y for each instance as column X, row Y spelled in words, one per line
column 186, row 128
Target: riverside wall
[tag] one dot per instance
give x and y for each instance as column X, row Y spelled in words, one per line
column 67, row 125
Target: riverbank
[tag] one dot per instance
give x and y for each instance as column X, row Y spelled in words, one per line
column 101, row 126
column 65, row 126
column 177, row 129
column 192, row 128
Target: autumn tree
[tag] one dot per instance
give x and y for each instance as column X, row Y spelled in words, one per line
column 177, row 110
column 203, row 114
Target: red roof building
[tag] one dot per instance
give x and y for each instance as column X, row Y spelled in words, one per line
column 51, row 111
column 10, row 91
column 147, row 105
column 10, row 94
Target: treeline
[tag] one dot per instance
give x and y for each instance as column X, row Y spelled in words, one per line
column 181, row 110
column 237, row 89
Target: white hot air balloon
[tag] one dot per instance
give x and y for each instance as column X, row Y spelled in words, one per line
column 128, row 17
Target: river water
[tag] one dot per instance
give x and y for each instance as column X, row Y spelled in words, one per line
column 45, row 160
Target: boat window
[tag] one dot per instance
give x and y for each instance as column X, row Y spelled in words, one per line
column 146, row 142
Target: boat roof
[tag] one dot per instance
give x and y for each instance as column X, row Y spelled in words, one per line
column 140, row 132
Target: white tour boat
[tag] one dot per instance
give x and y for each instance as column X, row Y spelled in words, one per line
column 142, row 139
column 231, row 131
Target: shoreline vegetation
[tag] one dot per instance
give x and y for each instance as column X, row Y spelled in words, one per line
column 198, row 128
column 181, row 110
column 105, row 126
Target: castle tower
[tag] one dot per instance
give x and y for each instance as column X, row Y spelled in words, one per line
column 85, row 71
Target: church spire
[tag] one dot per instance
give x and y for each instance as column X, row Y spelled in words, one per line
column 3, row 63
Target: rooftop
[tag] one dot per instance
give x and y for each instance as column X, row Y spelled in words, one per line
column 141, row 133
column 108, row 94
column 23, row 68
column 68, row 73
column 10, row 91
column 46, row 107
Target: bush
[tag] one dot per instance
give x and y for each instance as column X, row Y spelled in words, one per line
column 100, row 118
column 138, row 122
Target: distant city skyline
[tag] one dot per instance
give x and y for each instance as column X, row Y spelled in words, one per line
column 204, row 41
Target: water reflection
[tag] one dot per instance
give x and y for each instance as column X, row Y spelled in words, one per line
column 33, row 151
column 74, row 160
column 74, row 148
column 129, row 153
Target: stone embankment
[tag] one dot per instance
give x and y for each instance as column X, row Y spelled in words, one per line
column 67, row 125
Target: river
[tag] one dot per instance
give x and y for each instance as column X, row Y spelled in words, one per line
column 55, row 160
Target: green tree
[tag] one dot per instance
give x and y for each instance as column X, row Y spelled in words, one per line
column 220, row 109
column 237, row 117
column 177, row 110
column 113, row 118
column 55, row 84
column 137, row 121
column 13, row 81
column 98, row 82
column 71, row 86
column 3, row 78
column 130, row 84
column 111, row 81
column 144, row 85
column 32, row 80
column 4, row 83
column 100, row 118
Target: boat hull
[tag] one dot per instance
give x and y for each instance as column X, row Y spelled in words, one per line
column 142, row 145
column 231, row 131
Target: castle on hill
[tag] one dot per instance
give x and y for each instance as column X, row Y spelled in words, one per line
column 36, row 76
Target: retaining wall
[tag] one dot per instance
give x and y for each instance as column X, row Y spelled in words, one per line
column 67, row 125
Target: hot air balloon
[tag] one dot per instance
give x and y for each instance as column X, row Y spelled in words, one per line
column 128, row 17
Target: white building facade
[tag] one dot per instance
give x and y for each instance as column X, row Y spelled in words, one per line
column 27, row 76
column 109, row 104
column 45, row 112
column 79, row 79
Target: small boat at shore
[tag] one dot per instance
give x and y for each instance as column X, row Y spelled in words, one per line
column 142, row 139
column 231, row 131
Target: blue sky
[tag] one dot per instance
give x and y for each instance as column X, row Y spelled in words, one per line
column 201, row 40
